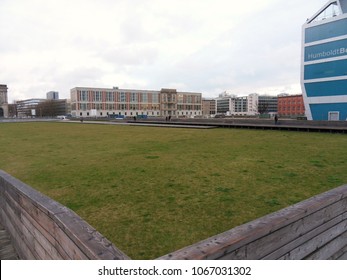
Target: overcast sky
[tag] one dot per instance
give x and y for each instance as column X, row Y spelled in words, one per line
column 207, row 46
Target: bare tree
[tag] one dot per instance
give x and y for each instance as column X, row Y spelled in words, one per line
column 46, row 109
column 263, row 108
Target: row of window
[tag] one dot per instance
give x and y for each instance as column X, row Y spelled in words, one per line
column 118, row 106
column 291, row 102
column 143, row 113
column 291, row 108
column 188, row 107
column 100, row 96
column 134, row 97
column 121, row 106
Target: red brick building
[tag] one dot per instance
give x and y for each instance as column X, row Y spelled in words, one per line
column 291, row 105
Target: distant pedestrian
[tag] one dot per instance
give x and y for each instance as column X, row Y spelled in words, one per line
column 81, row 119
column 169, row 118
column 276, row 119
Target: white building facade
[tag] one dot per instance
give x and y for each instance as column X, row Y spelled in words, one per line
column 232, row 105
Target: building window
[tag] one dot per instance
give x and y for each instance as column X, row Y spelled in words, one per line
column 83, row 95
column 97, row 96
column 83, row 107
column 155, row 98
column 180, row 98
column 133, row 97
column 122, row 97
column 144, row 98
column 110, row 96
column 110, row 106
column 134, row 107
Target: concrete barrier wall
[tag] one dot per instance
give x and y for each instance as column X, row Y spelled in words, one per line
column 312, row 229
column 41, row 228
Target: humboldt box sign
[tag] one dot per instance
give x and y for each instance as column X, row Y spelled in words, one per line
column 326, row 50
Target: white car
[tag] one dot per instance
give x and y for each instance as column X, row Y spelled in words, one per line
column 64, row 118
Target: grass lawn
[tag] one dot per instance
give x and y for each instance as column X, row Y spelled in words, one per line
column 155, row 190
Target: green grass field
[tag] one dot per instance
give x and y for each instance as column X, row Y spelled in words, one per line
column 155, row 190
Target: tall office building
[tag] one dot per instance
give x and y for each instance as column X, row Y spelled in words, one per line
column 324, row 63
column 52, row 95
column 267, row 104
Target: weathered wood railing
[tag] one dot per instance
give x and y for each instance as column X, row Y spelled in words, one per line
column 312, row 229
column 44, row 229
column 41, row 228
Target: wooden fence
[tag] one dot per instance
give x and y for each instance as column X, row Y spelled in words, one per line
column 41, row 228
column 312, row 229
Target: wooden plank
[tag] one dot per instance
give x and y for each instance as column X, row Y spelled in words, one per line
column 23, row 200
column 21, row 247
column 16, row 229
column 44, row 234
column 43, row 220
column 52, row 233
column 343, row 257
column 73, row 251
column 320, row 240
column 40, row 235
column 27, row 231
column 7, row 251
column 205, row 248
column 239, row 254
column 91, row 242
column 38, row 250
column 339, row 254
column 300, row 241
column 2, row 202
column 329, row 249
column 229, row 241
column 35, row 233
column 268, row 244
column 10, row 222
column 60, row 211
column 22, row 190
column 67, row 248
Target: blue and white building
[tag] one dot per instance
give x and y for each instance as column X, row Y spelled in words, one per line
column 324, row 63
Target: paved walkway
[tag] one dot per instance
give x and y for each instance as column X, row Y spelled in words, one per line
column 7, row 252
column 154, row 124
column 269, row 125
